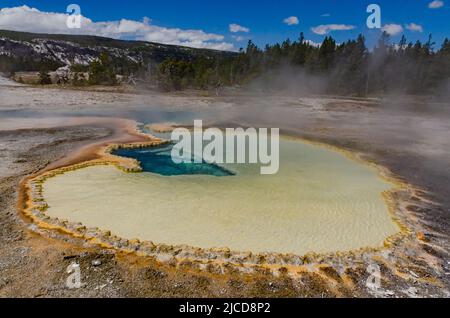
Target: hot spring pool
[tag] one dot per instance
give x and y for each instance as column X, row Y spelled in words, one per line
column 319, row 201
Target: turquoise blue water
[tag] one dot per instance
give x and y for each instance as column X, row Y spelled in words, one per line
column 158, row 160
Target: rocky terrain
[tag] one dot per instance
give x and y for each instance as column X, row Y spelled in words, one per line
column 21, row 51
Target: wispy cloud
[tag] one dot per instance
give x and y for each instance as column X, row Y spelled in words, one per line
column 238, row 28
column 325, row 15
column 436, row 4
column 327, row 28
column 291, row 20
column 29, row 19
column 238, row 38
column 392, row 29
column 414, row 27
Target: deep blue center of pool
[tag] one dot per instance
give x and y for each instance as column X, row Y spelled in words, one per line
column 158, row 160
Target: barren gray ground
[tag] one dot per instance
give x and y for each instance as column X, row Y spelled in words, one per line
column 411, row 136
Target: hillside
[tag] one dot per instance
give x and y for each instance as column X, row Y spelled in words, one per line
column 21, row 51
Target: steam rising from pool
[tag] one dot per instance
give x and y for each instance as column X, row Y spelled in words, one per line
column 319, row 201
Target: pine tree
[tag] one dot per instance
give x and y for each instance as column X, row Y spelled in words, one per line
column 44, row 77
column 101, row 71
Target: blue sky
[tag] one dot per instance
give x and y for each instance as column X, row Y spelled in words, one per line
column 263, row 18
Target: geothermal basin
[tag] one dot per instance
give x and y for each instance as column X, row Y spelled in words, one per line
column 320, row 201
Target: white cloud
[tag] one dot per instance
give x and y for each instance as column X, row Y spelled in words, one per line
column 326, row 28
column 436, row 4
column 29, row 19
column 238, row 28
column 291, row 21
column 325, row 15
column 238, row 38
column 414, row 27
column 392, row 29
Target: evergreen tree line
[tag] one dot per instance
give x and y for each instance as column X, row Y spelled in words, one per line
column 348, row 68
